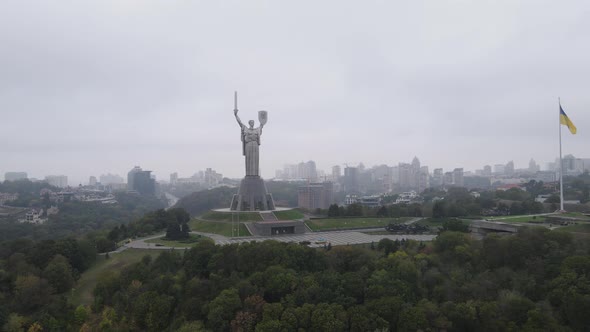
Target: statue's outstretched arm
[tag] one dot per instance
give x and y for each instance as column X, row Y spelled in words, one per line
column 238, row 118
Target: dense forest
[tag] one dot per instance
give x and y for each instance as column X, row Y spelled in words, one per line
column 35, row 280
column 532, row 281
column 77, row 218
column 535, row 280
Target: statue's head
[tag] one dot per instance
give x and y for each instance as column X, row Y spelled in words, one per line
column 251, row 123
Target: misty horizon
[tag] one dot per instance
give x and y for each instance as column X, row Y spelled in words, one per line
column 101, row 87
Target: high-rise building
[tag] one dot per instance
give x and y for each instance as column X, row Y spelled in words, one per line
column 458, row 179
column 448, row 179
column 141, row 181
column 423, row 179
column 15, row 176
column 487, row 170
column 316, row 196
column 499, row 169
column 571, row 165
column 437, row 177
column 415, row 174
column 381, row 178
column 533, row 167
column 416, row 163
column 212, row 178
column 60, row 181
column 405, row 176
column 92, row 181
column 351, row 180
column 310, row 172
column 131, row 177
column 302, row 171
column 173, row 178
column 336, row 173
column 107, row 179
column 395, row 175
column 509, row 168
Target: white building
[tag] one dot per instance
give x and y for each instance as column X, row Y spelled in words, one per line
column 60, row 181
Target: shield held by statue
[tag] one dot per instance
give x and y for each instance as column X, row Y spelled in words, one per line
column 262, row 117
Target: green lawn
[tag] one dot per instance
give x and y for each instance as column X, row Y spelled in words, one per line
column 289, row 215
column 190, row 242
column 435, row 224
column 339, row 223
column 227, row 216
column 518, row 219
column 579, row 228
column 82, row 292
column 216, row 227
column 431, row 222
column 573, row 215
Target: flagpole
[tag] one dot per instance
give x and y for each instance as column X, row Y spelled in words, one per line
column 560, row 161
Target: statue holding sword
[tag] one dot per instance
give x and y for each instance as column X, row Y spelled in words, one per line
column 251, row 139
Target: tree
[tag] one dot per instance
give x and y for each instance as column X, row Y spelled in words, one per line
column 195, row 326
column 31, row 293
column 362, row 319
column 328, row 317
column 382, row 212
column 104, row 245
column 516, row 208
column 455, row 225
column 59, row 274
column 152, row 311
column 177, row 220
column 438, row 210
column 333, row 210
column 354, row 209
column 553, row 199
column 35, row 327
column 223, row 309
column 415, row 210
column 450, row 240
column 388, row 246
column 15, row 323
column 81, row 314
column 412, row 319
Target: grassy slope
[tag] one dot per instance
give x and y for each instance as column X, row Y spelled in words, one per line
column 82, row 293
column 289, row 215
column 226, row 216
column 338, row 223
column 579, row 228
column 517, row 219
column 216, row 227
column 194, row 239
column 575, row 215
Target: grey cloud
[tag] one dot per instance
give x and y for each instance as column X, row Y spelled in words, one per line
column 105, row 85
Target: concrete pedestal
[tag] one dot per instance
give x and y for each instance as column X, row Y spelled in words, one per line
column 252, row 196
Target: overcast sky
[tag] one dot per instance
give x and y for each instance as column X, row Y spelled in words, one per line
column 90, row 87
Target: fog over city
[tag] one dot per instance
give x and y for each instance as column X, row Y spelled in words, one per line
column 96, row 87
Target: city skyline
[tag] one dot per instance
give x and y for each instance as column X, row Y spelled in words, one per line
column 460, row 84
column 321, row 173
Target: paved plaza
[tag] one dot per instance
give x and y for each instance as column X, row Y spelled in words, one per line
column 336, row 238
column 317, row 239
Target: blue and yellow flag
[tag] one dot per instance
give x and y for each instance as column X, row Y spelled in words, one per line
column 564, row 120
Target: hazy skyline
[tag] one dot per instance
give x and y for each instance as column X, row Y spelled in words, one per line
column 101, row 86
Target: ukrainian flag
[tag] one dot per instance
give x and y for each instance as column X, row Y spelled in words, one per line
column 564, row 120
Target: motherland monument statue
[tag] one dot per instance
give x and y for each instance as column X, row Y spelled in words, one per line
column 252, row 195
